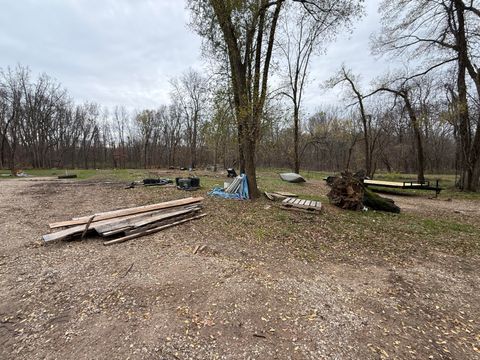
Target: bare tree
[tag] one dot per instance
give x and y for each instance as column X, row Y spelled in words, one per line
column 302, row 35
column 13, row 112
column 190, row 91
column 405, row 93
column 146, row 122
column 120, row 124
column 442, row 33
column 346, row 76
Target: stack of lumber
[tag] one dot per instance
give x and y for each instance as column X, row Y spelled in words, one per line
column 126, row 224
column 234, row 186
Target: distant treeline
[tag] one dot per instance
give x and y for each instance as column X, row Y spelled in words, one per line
column 42, row 127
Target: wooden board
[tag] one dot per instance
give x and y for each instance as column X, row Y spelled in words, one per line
column 151, row 231
column 302, row 204
column 125, row 212
column 392, row 183
column 284, row 193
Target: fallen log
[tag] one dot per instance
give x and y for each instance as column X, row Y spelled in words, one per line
column 377, row 202
column 151, row 231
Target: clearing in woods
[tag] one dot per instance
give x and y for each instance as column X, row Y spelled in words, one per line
column 269, row 283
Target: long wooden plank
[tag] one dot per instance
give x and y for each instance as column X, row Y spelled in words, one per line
column 158, row 223
column 391, row 183
column 150, row 231
column 145, row 208
column 284, row 193
column 126, row 212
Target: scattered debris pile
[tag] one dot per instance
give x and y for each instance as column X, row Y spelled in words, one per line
column 237, row 189
column 231, row 173
column 125, row 224
column 349, row 193
column 191, row 183
column 150, row 182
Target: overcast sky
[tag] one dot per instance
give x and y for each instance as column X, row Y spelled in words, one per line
column 122, row 52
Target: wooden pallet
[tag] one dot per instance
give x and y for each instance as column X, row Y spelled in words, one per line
column 310, row 205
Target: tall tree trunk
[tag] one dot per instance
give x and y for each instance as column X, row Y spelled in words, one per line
column 193, row 148
column 12, row 163
column 418, row 139
column 145, row 155
column 296, row 131
column 250, row 166
column 241, row 148
column 462, row 106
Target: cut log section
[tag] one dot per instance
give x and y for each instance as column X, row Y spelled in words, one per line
column 310, row 205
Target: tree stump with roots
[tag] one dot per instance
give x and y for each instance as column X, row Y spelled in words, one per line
column 348, row 192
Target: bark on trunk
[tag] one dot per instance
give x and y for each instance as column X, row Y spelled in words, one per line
column 296, row 158
column 250, row 168
column 418, row 139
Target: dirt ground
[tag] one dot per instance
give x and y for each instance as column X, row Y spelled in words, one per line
column 248, row 295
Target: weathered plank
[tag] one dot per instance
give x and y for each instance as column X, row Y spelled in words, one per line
column 284, row 193
column 151, row 231
column 125, row 212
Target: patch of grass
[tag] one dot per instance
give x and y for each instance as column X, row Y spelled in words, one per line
column 445, row 227
column 336, row 233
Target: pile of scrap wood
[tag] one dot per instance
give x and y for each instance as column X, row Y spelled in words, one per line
column 126, row 224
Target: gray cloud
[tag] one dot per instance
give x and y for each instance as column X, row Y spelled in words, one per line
column 109, row 51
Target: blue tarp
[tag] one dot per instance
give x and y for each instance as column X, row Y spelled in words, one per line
column 242, row 193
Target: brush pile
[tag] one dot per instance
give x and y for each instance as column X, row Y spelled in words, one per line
column 125, row 224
